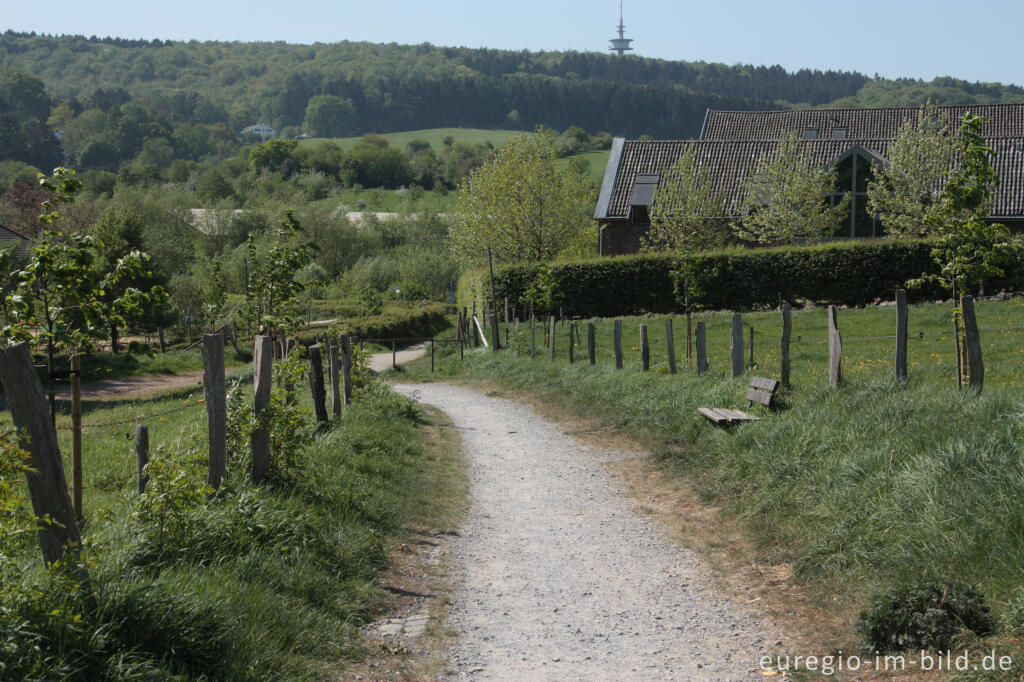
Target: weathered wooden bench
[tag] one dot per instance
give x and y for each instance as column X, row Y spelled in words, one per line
column 761, row 390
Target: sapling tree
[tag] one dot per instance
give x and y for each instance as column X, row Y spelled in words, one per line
column 968, row 249
column 272, row 291
column 785, row 199
column 688, row 211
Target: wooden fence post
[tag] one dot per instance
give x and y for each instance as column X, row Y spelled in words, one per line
column 902, row 318
column 394, row 355
column 702, row 348
column 431, row 356
column 592, row 342
column 736, row 345
column 973, row 340
column 334, row 368
column 76, row 435
column 617, row 338
column 787, row 331
column 506, row 310
column 495, row 333
column 141, row 456
column 533, row 334
column 751, row 363
column 515, row 338
column 572, row 342
column 670, row 346
column 835, row 350
column 551, row 336
column 316, row 383
column 47, row 485
column 215, row 391
column 346, row 367
column 262, row 373
column 645, row 350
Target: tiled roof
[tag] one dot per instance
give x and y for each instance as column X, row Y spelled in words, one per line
column 731, row 162
column 1007, row 121
column 7, row 236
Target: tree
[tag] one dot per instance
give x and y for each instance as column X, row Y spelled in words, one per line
column 58, row 293
column 688, row 213
column 329, row 116
column 905, row 194
column 24, row 109
column 785, row 199
column 969, row 249
column 272, row 291
column 519, row 203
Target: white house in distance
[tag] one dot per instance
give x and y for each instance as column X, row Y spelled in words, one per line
column 261, row 129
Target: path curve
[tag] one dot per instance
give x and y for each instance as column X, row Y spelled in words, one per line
column 556, row 577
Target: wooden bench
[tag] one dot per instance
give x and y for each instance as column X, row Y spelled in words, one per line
column 761, row 391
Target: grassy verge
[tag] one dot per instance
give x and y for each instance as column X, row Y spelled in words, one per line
column 266, row 582
column 865, row 487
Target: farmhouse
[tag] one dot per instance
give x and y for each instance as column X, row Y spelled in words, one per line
column 849, row 140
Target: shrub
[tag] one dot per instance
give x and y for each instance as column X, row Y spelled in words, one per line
column 923, row 616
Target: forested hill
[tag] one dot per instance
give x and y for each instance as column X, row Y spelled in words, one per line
column 396, row 87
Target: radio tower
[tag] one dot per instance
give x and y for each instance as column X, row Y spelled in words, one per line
column 621, row 44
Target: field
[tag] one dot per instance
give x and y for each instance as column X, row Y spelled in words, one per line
column 866, row 487
column 435, row 136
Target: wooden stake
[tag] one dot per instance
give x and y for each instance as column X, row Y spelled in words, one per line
column 835, row 350
column 76, row 435
column 902, row 319
column 334, row 369
column 495, row 333
column 787, row 331
column 316, row 383
column 617, row 338
column 572, row 342
column 515, row 338
column 346, row 367
column 533, row 334
column 751, row 365
column 215, row 391
column 592, row 342
column 702, row 350
column 141, row 456
column 47, row 485
column 736, row 345
column 972, row 340
column 262, row 370
column 645, row 350
column 670, row 346
column 551, row 335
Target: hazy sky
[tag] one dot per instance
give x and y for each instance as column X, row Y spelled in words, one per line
column 977, row 41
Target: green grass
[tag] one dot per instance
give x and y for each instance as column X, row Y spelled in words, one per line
column 435, row 136
column 867, row 486
column 598, row 160
column 260, row 583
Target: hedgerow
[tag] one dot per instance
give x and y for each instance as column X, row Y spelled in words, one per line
column 842, row 273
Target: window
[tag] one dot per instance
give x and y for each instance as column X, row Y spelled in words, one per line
column 810, row 133
column 644, row 186
column 839, row 133
column 853, row 172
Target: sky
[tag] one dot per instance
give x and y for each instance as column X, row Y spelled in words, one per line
column 979, row 41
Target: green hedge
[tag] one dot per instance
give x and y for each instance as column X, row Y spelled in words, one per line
column 844, row 273
column 411, row 323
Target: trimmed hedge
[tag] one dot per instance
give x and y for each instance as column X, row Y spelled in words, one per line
column 841, row 273
column 417, row 323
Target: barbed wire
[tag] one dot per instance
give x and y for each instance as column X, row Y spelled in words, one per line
column 134, row 420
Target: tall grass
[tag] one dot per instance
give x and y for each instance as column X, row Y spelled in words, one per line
column 871, row 485
column 269, row 582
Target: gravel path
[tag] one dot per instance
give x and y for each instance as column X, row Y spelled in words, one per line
column 556, row 577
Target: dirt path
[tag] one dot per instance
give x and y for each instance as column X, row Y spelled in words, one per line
column 556, row 577
column 149, row 384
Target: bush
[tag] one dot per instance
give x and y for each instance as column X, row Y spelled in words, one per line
column 923, row 616
column 393, row 322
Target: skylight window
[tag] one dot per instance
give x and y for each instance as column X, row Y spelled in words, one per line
column 839, row 133
column 810, row 133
